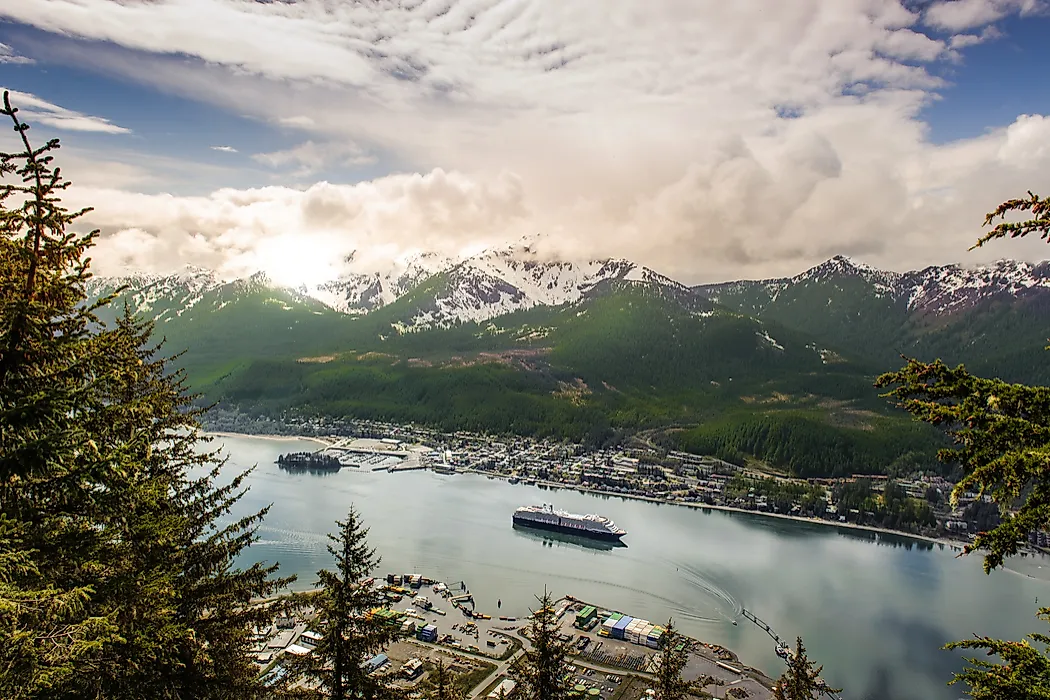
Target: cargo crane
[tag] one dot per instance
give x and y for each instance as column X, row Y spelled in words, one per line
column 783, row 649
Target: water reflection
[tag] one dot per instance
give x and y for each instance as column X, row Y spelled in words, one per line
column 313, row 471
column 874, row 616
column 564, row 539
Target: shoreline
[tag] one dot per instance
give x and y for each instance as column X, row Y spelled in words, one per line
column 327, row 442
column 954, row 544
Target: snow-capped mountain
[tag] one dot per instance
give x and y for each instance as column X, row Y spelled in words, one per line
column 497, row 282
column 948, row 288
column 993, row 318
column 934, row 290
column 158, row 296
column 362, row 292
column 435, row 291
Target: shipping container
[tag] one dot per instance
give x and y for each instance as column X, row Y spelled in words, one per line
column 620, row 627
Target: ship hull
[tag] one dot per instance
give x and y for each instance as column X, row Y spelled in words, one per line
column 567, row 529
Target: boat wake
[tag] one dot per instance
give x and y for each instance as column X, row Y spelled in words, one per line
column 696, row 579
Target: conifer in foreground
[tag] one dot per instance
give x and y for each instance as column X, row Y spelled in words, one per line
column 1024, row 673
column 541, row 672
column 443, row 684
column 350, row 634
column 802, row 679
column 116, row 577
column 670, row 665
column 1002, row 440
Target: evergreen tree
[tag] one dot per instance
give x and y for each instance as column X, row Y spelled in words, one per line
column 47, row 360
column 350, row 635
column 1002, row 441
column 1001, row 430
column 1023, row 675
column 117, row 578
column 801, row 681
column 670, row 663
column 541, row 671
column 444, row 684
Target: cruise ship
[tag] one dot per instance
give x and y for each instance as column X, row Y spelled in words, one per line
column 546, row 518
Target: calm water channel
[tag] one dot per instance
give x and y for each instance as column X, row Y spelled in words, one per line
column 873, row 610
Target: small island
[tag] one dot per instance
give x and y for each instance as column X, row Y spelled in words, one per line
column 309, row 461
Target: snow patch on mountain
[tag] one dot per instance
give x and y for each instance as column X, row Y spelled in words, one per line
column 764, row 335
column 948, row 288
column 884, row 282
column 363, row 292
column 166, row 294
column 934, row 290
column 516, row 278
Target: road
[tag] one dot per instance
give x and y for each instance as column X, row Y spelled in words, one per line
column 501, row 670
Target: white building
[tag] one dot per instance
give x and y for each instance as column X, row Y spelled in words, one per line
column 506, row 687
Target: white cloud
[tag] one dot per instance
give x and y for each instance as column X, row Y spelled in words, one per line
column 961, row 41
column 311, row 157
column 241, row 231
column 224, row 149
column 34, row 109
column 8, row 55
column 299, row 121
column 628, row 127
column 957, row 15
column 765, row 207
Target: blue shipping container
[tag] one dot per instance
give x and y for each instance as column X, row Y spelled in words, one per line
column 619, row 627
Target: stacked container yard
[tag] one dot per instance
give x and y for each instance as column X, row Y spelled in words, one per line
column 643, row 636
column 655, row 637
column 428, row 633
column 607, row 626
column 619, row 629
column 584, row 617
column 635, row 631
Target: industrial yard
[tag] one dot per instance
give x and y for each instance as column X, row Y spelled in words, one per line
column 614, row 652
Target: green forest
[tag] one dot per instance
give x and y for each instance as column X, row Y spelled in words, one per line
column 803, row 444
column 628, row 359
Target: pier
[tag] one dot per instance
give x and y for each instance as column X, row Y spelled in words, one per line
column 783, row 648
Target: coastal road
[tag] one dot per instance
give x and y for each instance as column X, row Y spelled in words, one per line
column 501, row 669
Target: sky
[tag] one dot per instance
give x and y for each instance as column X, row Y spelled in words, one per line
column 708, row 140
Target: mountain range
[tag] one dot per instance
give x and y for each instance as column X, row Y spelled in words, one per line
column 777, row 370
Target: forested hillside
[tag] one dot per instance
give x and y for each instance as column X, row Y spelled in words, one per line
column 630, row 357
column 995, row 320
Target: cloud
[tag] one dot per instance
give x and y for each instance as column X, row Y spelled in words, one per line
column 759, row 208
column 241, row 231
column 311, row 157
column 957, row 15
column 8, row 55
column 299, row 121
column 224, row 149
column 704, row 138
column 961, row 41
column 34, row 109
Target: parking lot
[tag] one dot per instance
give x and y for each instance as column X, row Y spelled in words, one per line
column 586, row 680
